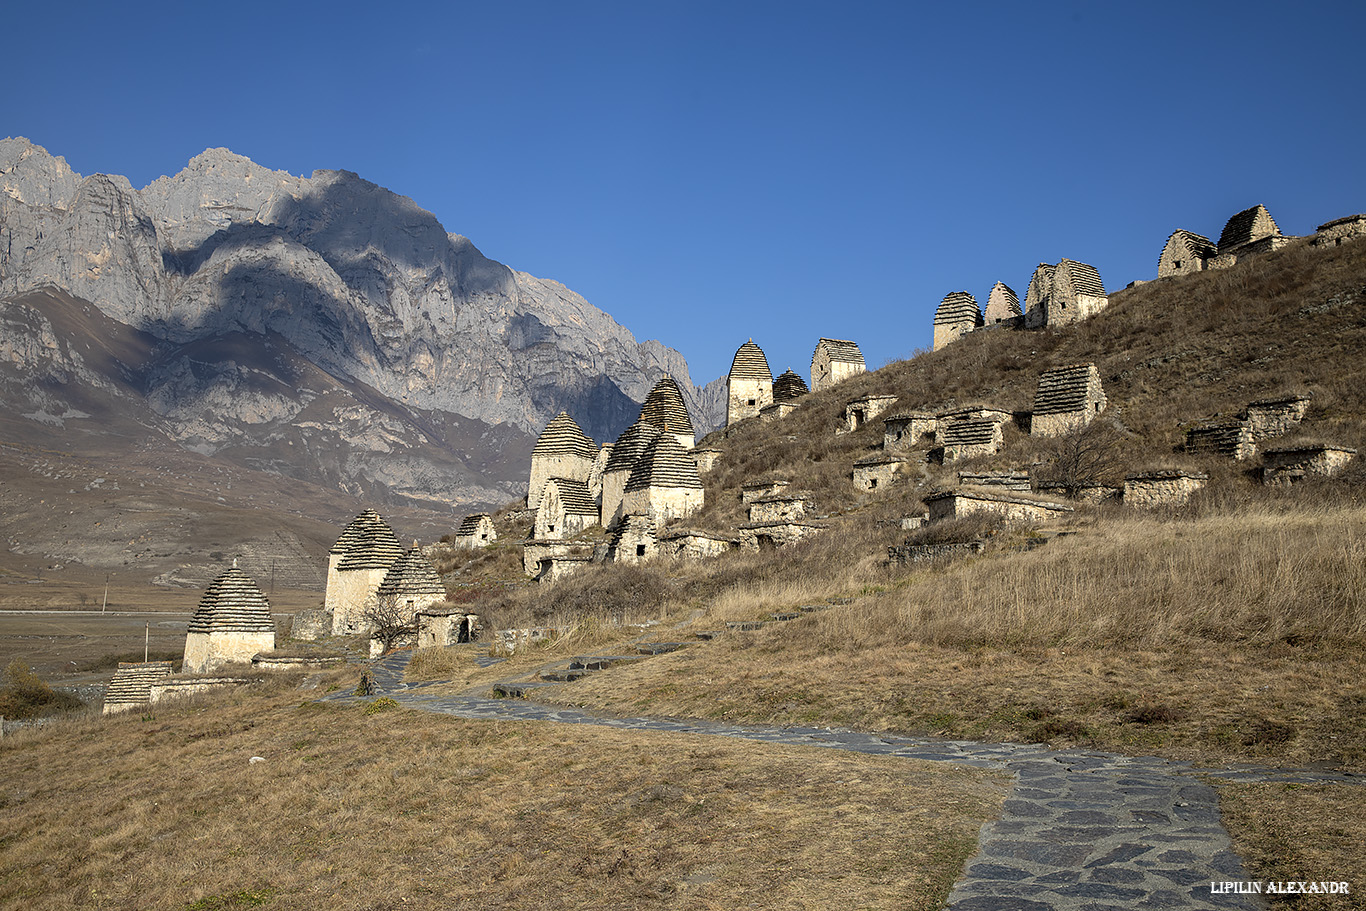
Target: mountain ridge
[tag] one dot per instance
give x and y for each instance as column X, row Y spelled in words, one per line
column 362, row 280
column 322, row 341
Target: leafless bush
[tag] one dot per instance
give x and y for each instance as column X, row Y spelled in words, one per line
column 389, row 623
column 1088, row 454
column 962, row 530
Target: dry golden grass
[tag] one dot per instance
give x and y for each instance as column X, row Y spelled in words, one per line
column 355, row 808
column 1227, row 636
column 1170, row 353
column 1298, row 833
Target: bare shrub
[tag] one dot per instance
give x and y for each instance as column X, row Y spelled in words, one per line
column 960, row 530
column 388, row 622
column 1087, row 455
column 26, row 695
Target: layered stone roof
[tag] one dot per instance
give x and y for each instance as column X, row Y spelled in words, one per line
column 971, row 432
column 878, row 460
column 750, row 363
column 354, row 531
column 232, row 603
column 1226, row 438
column 665, row 463
column 412, row 576
column 630, row 446
column 563, row 436
column 1309, row 447
column 694, row 533
column 634, row 525
column 665, row 409
column 1247, row 226
column 1294, row 398
column 1085, row 278
column 1167, row 474
column 789, row 386
column 958, row 307
column 1198, row 246
column 998, row 495
column 470, row 525
column 576, row 498
column 367, row 543
column 1345, row 220
column 1064, row 389
column 841, row 350
column 1002, row 304
column 132, row 684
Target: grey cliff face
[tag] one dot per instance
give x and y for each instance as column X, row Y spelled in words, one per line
column 358, row 279
column 232, row 338
column 363, row 282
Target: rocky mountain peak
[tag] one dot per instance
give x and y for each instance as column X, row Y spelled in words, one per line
column 358, row 281
column 29, row 174
column 216, row 190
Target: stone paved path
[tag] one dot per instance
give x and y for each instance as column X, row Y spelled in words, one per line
column 1080, row 831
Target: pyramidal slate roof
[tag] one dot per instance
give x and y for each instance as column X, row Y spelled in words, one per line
column 367, row 543
column 750, row 363
column 470, row 524
column 958, row 307
column 232, row 603
column 1002, row 303
column 843, row 350
column 1247, row 226
column 1063, row 390
column 664, row 463
column 789, row 386
column 665, row 409
column 1085, row 278
column 563, row 436
column 575, row 497
column 1198, row 245
column 354, row 531
column 629, row 446
column 411, row 575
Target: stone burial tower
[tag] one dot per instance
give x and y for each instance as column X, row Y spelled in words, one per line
column 231, row 624
column 356, row 565
column 563, row 450
column 833, row 361
column 749, row 385
column 664, row 407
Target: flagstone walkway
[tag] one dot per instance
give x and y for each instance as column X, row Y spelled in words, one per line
column 1080, row 831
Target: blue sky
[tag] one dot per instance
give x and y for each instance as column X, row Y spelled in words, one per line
column 710, row 172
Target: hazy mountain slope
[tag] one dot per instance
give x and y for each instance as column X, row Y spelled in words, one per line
column 242, row 419
column 361, row 281
column 318, row 339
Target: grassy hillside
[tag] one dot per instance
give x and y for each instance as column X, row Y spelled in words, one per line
column 1230, row 629
column 1233, row 629
column 1170, row 353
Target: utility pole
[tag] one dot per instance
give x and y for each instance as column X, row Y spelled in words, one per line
column 106, row 593
column 147, row 642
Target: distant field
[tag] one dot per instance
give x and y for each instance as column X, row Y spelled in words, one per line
column 57, row 627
